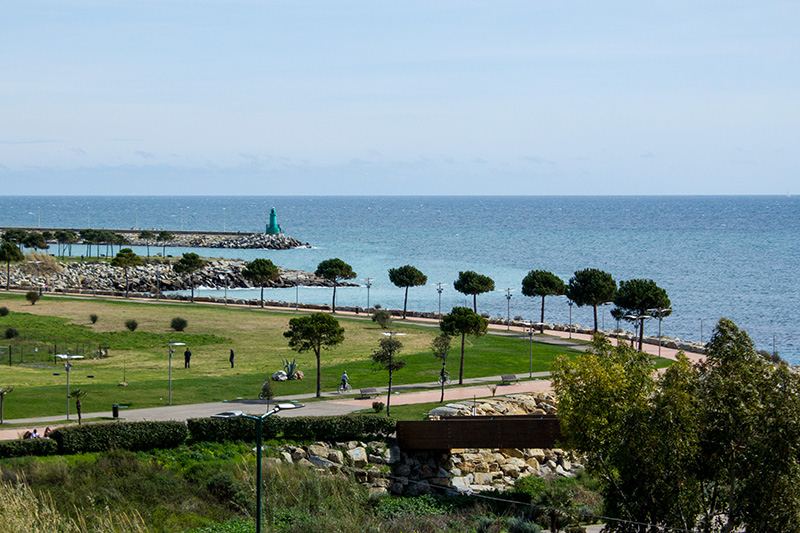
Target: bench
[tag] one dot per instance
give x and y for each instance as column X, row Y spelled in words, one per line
column 369, row 392
column 508, row 379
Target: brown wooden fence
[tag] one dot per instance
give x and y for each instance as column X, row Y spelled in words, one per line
column 519, row 431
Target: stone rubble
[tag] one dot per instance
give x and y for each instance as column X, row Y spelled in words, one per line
column 384, row 468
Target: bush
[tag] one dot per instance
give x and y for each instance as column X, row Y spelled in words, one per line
column 134, row 436
column 93, row 317
column 231, row 429
column 131, row 324
column 178, row 323
column 11, row 333
column 23, row 447
column 32, row 297
column 4, row 311
column 382, row 317
column 377, row 406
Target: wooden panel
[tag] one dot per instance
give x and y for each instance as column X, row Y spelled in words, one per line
column 523, row 431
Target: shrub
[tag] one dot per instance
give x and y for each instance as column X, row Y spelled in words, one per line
column 134, row 436
column 131, row 324
column 382, row 317
column 93, row 317
column 377, row 406
column 178, row 323
column 23, row 447
column 3, row 311
column 11, row 333
column 32, row 297
column 230, row 429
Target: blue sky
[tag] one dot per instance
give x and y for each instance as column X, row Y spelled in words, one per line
column 414, row 97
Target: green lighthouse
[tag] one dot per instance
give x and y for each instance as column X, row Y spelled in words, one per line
column 273, row 228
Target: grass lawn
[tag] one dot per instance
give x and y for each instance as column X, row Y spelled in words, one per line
column 140, row 358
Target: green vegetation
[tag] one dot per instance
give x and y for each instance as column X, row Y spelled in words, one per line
column 178, row 323
column 463, row 321
column 314, row 333
column 261, row 272
column 32, row 297
column 640, row 297
column 126, row 259
column 385, row 358
column 189, row 263
column 710, row 447
column 591, row 286
column 131, row 324
column 335, row 270
column 407, row 276
column 255, row 335
column 470, row 282
column 542, row 283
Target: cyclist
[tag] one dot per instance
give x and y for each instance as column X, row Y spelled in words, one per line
column 345, row 381
column 444, row 375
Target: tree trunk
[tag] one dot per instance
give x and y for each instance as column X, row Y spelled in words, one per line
column 542, row 319
column 317, row 349
column 405, row 303
column 78, row 409
column 441, row 400
column 262, row 297
column 461, row 370
column 595, row 318
column 333, row 303
column 475, row 302
column 389, row 395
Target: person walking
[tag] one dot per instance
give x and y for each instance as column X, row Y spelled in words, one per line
column 187, row 357
column 231, row 358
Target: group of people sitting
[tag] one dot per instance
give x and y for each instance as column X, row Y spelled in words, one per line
column 35, row 434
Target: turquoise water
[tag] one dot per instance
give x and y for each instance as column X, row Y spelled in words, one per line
column 735, row 257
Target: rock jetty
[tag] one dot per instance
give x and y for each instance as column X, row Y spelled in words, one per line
column 152, row 278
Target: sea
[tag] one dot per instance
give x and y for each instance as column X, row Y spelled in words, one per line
column 716, row 256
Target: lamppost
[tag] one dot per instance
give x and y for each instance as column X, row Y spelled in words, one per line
column 530, row 348
column 223, row 219
column 634, row 318
column 296, row 296
column 439, row 289
column 259, row 427
column 171, row 351
column 136, row 211
column 67, row 367
column 570, row 302
column 508, row 310
column 369, row 284
column 659, row 312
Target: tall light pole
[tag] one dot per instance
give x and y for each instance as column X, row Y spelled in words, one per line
column 67, row 367
column 369, row 284
column 641, row 318
column 530, row 352
column 439, row 289
column 659, row 312
column 171, row 351
column 223, row 219
column 136, row 210
column 570, row 302
column 259, row 427
column 508, row 310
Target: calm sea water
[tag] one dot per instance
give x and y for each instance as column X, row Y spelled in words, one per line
column 734, row 257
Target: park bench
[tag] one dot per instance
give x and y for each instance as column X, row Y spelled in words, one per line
column 369, row 392
column 508, row 379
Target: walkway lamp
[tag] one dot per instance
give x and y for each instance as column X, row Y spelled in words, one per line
column 369, row 284
column 570, row 302
column 171, row 351
column 508, row 297
column 660, row 312
column 634, row 318
column 259, row 427
column 67, row 367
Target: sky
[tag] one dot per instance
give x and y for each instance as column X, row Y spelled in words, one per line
column 263, row 97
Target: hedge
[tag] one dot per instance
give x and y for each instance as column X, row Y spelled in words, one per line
column 134, row 436
column 22, row 447
column 347, row 427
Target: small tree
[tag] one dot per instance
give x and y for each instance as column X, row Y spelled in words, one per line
column 334, row 270
column 385, row 358
column 126, row 259
column 261, row 272
column 93, row 317
column 470, row 282
column 591, row 287
column 314, row 333
column 164, row 237
column 382, row 317
column 131, row 324
column 463, row 321
column 440, row 346
column 4, row 311
column 32, row 297
column 267, row 392
column 189, row 264
column 147, row 236
column 542, row 283
column 78, row 394
column 3, row 392
column 8, row 253
column 178, row 323
column 407, row 276
column 637, row 297
column 11, row 333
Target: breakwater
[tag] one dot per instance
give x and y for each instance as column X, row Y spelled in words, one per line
column 182, row 239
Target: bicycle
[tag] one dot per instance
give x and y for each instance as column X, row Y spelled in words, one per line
column 444, row 380
column 344, row 387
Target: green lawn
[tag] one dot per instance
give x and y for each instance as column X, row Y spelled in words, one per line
column 141, row 357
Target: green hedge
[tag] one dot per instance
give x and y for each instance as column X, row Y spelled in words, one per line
column 134, row 436
column 22, row 447
column 331, row 428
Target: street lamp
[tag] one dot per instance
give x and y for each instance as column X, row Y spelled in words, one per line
column 660, row 312
column 634, row 318
column 67, row 367
column 570, row 302
column 530, row 347
column 171, row 351
column 223, row 219
column 439, row 289
column 508, row 319
column 259, row 426
column 369, row 284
